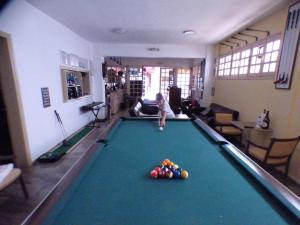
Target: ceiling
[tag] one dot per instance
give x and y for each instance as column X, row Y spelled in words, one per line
column 157, row 21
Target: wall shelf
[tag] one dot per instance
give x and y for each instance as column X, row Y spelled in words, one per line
column 75, row 83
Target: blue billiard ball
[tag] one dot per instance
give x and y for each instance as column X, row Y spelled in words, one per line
column 177, row 174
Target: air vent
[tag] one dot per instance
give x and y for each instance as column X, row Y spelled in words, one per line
column 153, row 49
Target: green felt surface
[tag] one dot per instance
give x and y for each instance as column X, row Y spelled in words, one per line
column 115, row 188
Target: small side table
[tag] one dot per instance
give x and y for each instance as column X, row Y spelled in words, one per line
column 250, row 132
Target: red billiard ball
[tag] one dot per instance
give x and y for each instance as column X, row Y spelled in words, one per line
column 154, row 174
column 158, row 169
column 162, row 174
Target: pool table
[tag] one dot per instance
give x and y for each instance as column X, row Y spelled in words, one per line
column 224, row 186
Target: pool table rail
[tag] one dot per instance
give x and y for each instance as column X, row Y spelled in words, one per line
column 281, row 192
column 215, row 136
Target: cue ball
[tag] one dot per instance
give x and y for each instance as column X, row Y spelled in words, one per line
column 161, row 128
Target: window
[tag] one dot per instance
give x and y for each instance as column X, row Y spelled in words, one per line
column 235, row 63
column 166, row 79
column 227, row 65
column 244, row 62
column 271, row 56
column 221, row 66
column 136, row 82
column 183, row 81
column 258, row 59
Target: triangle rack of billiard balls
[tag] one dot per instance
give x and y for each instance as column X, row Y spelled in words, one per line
column 170, row 170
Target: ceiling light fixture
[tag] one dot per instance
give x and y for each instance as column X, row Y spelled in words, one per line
column 188, row 32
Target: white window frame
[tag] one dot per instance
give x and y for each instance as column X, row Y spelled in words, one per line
column 257, row 74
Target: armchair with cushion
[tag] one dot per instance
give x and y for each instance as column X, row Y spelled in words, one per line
column 224, row 127
column 278, row 153
column 10, row 174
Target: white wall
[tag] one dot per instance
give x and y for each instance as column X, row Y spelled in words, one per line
column 36, row 40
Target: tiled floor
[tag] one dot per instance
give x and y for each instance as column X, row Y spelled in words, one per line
column 42, row 178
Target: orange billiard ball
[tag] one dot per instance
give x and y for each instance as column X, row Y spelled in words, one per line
column 184, row 174
column 164, row 163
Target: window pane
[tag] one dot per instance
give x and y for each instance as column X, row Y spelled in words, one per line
column 242, row 62
column 246, row 61
column 268, row 57
column 255, row 51
column 276, row 45
column 266, row 68
column 236, row 56
column 274, row 56
column 252, row 69
column 253, row 60
column 228, row 58
column 222, row 60
column 269, row 46
column 248, row 53
column 272, row 67
column 261, row 50
column 243, row 70
column 257, row 68
column 258, row 59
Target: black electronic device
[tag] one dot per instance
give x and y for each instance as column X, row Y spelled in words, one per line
column 104, row 69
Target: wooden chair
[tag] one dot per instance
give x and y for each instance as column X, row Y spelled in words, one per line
column 224, row 127
column 13, row 175
column 278, row 153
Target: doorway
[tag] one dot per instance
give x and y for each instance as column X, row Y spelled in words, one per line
column 5, row 143
column 13, row 135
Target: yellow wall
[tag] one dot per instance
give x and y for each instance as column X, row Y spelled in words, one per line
column 250, row 97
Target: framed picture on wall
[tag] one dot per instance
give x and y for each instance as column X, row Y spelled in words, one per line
column 289, row 48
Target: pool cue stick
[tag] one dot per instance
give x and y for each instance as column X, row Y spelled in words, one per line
column 63, row 130
column 159, row 116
